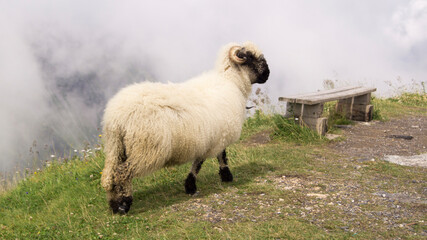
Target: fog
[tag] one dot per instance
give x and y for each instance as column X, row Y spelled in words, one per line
column 60, row 61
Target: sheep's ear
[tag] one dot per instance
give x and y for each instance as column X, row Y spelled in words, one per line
column 241, row 54
column 237, row 55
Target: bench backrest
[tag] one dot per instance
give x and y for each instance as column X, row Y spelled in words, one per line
column 328, row 95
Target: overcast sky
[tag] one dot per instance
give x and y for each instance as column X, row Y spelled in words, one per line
column 46, row 44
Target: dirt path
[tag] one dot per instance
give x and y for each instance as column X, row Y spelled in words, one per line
column 403, row 137
column 399, row 202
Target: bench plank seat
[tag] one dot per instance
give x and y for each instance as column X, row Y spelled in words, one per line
column 328, row 95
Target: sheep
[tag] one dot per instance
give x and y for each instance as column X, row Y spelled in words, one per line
column 148, row 126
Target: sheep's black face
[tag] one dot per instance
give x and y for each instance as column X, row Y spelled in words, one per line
column 262, row 70
column 257, row 65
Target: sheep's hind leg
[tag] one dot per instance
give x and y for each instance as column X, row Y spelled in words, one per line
column 224, row 171
column 119, row 202
column 120, row 197
column 190, row 182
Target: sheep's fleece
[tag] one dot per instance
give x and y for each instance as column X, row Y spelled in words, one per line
column 148, row 125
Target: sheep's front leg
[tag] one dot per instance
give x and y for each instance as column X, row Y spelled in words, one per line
column 224, row 171
column 190, row 182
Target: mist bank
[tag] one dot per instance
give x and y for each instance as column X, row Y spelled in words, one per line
column 61, row 61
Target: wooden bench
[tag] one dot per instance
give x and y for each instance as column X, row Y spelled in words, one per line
column 353, row 102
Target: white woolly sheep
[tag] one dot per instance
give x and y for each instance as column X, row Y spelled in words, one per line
column 148, row 126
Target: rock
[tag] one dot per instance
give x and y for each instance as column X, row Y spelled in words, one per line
column 332, row 136
column 366, row 159
column 416, row 160
column 317, row 195
column 218, row 229
column 343, row 126
column 406, row 137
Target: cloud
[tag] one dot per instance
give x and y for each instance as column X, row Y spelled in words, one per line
column 409, row 24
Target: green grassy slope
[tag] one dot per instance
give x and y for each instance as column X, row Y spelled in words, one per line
column 273, row 195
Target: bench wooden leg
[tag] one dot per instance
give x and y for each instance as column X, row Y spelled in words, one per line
column 309, row 115
column 363, row 112
column 320, row 125
column 356, row 108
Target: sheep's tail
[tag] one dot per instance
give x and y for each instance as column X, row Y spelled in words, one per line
column 115, row 153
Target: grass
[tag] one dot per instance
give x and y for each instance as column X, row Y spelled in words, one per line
column 288, row 129
column 285, row 129
column 269, row 199
column 334, row 118
column 258, row 122
column 410, row 99
column 407, row 103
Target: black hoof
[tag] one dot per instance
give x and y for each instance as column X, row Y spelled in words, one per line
column 122, row 210
column 126, row 203
column 190, row 184
column 225, row 174
column 114, row 205
column 121, row 206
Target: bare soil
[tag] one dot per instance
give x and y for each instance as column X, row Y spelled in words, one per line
column 262, row 137
column 377, row 139
column 388, row 201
